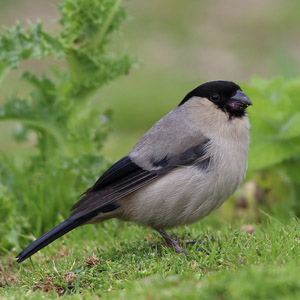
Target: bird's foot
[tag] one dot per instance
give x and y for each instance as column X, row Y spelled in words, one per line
column 178, row 249
column 171, row 243
column 192, row 243
column 204, row 244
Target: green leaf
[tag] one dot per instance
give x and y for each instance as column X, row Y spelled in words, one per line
column 18, row 44
column 69, row 132
column 269, row 152
column 90, row 21
column 291, row 128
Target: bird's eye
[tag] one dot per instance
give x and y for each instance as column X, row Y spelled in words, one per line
column 215, row 97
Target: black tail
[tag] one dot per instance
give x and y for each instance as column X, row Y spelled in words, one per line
column 49, row 237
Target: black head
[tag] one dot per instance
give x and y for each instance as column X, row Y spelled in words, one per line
column 227, row 95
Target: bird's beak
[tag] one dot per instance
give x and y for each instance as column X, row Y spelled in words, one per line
column 241, row 97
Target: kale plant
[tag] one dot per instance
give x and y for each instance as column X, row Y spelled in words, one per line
column 274, row 156
column 69, row 129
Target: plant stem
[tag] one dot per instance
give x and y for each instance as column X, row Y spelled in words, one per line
column 98, row 38
column 43, row 127
column 3, row 71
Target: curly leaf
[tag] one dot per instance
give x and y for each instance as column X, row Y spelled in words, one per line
column 18, row 44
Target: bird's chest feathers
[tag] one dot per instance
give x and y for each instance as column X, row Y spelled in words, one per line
column 228, row 164
column 229, row 152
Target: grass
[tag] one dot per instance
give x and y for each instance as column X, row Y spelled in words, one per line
column 117, row 260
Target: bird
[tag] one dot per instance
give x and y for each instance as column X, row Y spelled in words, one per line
column 184, row 167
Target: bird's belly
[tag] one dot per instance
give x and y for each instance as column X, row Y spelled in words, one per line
column 183, row 196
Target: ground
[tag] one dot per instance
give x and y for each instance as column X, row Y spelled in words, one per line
column 117, row 260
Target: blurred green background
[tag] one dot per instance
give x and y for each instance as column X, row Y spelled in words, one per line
column 62, row 126
column 176, row 46
column 179, row 44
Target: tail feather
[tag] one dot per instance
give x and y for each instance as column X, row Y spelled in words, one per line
column 49, row 237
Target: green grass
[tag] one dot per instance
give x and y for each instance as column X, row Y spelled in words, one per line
column 117, row 260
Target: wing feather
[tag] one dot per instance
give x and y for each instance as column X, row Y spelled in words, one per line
column 125, row 176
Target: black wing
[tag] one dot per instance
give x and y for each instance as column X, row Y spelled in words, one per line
column 124, row 167
column 125, row 176
column 121, row 179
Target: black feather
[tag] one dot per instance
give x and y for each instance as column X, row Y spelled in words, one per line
column 122, row 172
column 117, row 171
column 95, row 201
column 53, row 234
column 225, row 89
column 121, row 179
column 134, row 177
column 47, row 238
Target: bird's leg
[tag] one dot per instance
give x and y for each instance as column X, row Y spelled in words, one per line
column 171, row 242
